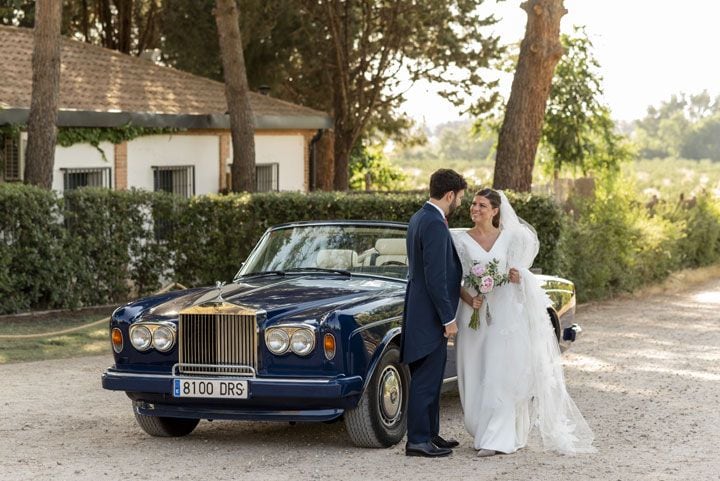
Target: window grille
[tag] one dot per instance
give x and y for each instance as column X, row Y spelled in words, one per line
column 178, row 180
column 86, row 177
column 11, row 158
column 266, row 177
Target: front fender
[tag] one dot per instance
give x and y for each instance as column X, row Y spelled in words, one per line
column 390, row 336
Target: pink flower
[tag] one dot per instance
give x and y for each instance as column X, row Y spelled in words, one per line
column 486, row 284
column 478, row 270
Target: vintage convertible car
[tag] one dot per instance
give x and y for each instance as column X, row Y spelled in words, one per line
column 309, row 330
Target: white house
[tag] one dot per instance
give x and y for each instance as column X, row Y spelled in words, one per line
column 105, row 88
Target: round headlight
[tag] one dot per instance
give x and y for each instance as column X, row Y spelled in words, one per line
column 163, row 338
column 140, row 337
column 277, row 340
column 302, row 342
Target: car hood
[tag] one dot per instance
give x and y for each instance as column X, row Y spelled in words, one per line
column 280, row 297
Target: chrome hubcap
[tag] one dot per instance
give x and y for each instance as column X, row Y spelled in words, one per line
column 391, row 395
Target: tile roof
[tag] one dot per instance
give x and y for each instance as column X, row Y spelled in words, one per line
column 98, row 80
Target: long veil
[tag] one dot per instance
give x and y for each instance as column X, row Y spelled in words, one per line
column 561, row 425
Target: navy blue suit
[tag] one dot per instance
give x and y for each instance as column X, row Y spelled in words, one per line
column 431, row 301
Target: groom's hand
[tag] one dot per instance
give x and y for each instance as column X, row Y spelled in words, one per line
column 451, row 329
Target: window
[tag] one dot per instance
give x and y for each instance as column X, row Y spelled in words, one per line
column 266, row 177
column 90, row 177
column 179, row 180
column 10, row 153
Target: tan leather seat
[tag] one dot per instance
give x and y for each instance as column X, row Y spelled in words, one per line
column 391, row 251
column 336, row 259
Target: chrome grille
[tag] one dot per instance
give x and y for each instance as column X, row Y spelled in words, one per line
column 217, row 343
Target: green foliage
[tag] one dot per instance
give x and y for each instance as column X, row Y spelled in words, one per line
column 578, row 127
column 98, row 246
column 612, row 243
column 292, row 46
column 455, row 145
column 671, row 179
column 684, row 125
column 703, row 140
column 699, row 220
column 371, row 170
column 35, row 268
column 68, row 136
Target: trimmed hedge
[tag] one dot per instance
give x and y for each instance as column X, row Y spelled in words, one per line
column 97, row 246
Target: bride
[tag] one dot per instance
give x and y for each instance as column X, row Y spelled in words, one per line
column 509, row 369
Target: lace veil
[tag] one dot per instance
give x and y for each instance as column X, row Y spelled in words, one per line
column 560, row 423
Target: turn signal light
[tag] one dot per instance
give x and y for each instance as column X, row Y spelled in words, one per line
column 329, row 346
column 117, row 339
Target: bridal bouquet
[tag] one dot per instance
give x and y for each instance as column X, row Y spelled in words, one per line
column 484, row 278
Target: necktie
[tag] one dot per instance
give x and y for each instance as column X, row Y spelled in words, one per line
column 446, row 221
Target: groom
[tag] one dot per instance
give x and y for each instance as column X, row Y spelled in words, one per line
column 431, row 301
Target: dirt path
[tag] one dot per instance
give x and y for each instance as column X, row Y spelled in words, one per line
column 646, row 374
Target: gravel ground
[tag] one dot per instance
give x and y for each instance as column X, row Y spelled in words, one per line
column 646, row 374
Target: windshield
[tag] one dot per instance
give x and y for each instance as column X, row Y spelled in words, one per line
column 378, row 250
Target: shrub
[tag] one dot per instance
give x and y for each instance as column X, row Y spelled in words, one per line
column 99, row 246
column 35, row 268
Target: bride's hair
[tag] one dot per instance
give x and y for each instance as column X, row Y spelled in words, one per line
column 494, row 199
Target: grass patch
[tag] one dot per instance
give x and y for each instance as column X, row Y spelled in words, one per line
column 91, row 341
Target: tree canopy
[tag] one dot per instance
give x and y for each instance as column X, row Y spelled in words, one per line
column 686, row 125
column 578, row 127
column 354, row 59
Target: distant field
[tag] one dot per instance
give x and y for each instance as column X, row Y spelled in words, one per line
column 666, row 178
column 418, row 173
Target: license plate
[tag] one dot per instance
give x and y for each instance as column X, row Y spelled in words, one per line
column 210, row 388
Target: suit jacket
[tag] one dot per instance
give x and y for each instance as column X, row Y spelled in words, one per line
column 433, row 290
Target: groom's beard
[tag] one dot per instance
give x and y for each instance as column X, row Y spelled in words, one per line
column 451, row 210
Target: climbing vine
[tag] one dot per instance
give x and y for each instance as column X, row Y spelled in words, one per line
column 68, row 136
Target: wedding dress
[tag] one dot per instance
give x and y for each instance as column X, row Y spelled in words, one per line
column 509, row 370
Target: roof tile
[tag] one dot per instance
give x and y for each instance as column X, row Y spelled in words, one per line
column 97, row 79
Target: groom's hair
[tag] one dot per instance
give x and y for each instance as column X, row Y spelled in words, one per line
column 446, row 180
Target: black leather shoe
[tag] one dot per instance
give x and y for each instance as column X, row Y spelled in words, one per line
column 444, row 443
column 427, row 450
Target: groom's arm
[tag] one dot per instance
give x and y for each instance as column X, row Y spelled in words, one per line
column 435, row 245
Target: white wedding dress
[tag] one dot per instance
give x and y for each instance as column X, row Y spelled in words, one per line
column 509, row 370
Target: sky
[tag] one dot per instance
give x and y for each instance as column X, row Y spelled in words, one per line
column 647, row 50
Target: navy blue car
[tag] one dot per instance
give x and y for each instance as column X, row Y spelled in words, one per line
column 309, row 330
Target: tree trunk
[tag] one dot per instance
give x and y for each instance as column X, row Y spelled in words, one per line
column 238, row 100
column 343, row 145
column 42, row 130
column 324, row 161
column 520, row 133
column 108, row 32
column 85, row 21
column 125, row 10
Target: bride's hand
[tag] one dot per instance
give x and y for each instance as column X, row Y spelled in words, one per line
column 477, row 302
column 514, row 275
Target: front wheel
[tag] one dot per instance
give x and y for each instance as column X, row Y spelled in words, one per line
column 165, row 427
column 380, row 418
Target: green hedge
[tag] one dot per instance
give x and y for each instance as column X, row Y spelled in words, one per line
column 612, row 243
column 98, row 246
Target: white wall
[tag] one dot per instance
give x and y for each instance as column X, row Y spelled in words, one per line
column 286, row 150
column 82, row 156
column 202, row 151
